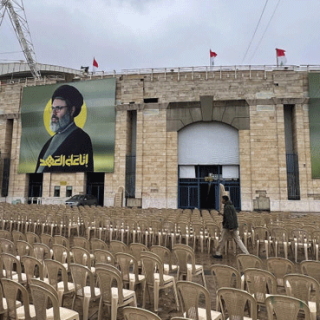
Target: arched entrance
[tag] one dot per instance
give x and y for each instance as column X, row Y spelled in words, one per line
column 208, row 154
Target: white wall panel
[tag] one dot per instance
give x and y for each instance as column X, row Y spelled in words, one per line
column 208, row 143
column 230, row 172
column 187, row 172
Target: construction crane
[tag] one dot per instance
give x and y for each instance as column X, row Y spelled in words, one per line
column 15, row 10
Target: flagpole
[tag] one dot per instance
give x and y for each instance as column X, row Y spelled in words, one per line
column 277, row 58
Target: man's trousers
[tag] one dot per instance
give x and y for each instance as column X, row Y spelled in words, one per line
column 225, row 235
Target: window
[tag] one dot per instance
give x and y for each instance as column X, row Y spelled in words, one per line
column 56, row 191
column 150, row 100
column 69, row 191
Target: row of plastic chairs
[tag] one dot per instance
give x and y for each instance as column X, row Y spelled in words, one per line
column 280, row 237
column 231, row 303
column 82, row 255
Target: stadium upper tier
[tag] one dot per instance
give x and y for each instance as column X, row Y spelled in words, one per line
column 21, row 69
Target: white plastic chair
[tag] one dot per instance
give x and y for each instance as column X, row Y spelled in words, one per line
column 191, row 296
column 187, row 264
column 286, row 308
column 300, row 286
column 115, row 297
column 41, row 293
column 152, row 267
column 56, row 271
column 86, row 293
column 11, row 290
column 234, row 302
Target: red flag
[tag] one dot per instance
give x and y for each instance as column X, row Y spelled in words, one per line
column 212, row 54
column 281, row 57
column 280, row 52
column 95, row 63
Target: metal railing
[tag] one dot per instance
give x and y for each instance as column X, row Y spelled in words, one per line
column 207, row 70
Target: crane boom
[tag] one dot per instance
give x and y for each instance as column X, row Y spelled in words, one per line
column 20, row 25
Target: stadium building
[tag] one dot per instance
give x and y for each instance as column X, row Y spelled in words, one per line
column 169, row 138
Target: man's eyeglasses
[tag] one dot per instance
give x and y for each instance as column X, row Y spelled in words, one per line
column 57, row 108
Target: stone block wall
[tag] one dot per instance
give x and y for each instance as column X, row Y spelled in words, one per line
column 262, row 143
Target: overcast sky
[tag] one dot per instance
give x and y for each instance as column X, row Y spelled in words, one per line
column 131, row 34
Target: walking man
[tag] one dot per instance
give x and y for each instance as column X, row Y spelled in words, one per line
column 230, row 228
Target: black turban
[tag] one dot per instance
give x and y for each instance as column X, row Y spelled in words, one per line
column 72, row 94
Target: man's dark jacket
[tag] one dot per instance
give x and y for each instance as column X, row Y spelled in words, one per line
column 78, row 142
column 230, row 219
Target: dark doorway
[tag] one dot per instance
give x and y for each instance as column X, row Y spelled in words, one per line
column 208, row 195
column 95, row 185
column 35, row 187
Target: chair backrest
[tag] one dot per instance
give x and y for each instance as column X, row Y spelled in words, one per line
column 11, row 289
column 17, row 235
column 280, row 267
column 259, row 283
column 225, row 276
column 32, row 237
column 81, row 242
column 311, row 268
column 136, row 249
column 163, row 252
column 197, row 228
column 279, row 234
column 7, row 246
column 126, row 263
column 40, row 297
column 5, row 234
column 316, row 236
column 103, row 256
column 41, row 251
column 190, row 295
column 299, row 286
column 261, row 233
column 245, row 261
column 151, row 263
column 133, row 313
column 213, row 229
column 300, row 235
column 234, row 303
column 284, row 308
column 184, row 255
column 107, row 277
column 98, row 244
column 55, row 270
column 62, row 241
column 168, row 227
column 11, row 263
column 118, row 246
column 155, row 225
column 47, row 239
column 81, row 256
column 183, row 228
column 80, row 275
column 33, row 267
column 61, row 253
column 24, row 248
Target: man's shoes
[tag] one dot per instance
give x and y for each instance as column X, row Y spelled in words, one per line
column 216, row 256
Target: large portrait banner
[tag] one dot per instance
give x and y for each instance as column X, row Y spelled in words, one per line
column 68, row 127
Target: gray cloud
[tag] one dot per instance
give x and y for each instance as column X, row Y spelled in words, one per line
column 165, row 33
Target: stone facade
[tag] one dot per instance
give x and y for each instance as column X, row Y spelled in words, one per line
column 251, row 101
